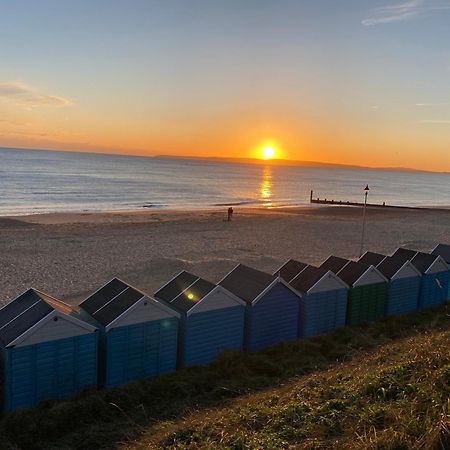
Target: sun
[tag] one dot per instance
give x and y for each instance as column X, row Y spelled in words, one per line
column 268, row 152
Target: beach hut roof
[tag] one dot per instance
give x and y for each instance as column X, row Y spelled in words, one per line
column 392, row 264
column 405, row 253
column 312, row 275
column 115, row 299
column 28, row 310
column 442, row 250
column 353, row 271
column 176, row 286
column 334, row 263
column 248, row 283
column 423, row 261
column 103, row 295
column 372, row 258
column 290, row 269
column 188, row 298
column 185, row 297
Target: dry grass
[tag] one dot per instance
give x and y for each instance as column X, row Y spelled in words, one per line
column 397, row 397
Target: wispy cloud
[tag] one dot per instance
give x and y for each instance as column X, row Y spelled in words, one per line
column 420, row 105
column 23, row 94
column 411, row 9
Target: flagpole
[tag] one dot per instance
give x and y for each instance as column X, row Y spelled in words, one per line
column 366, row 192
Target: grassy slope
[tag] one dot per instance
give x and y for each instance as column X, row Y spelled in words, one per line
column 382, row 386
column 396, row 397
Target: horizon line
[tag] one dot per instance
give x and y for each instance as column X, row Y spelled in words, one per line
column 235, row 160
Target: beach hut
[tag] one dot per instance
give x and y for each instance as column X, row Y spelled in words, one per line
column 212, row 318
column 404, row 285
column 434, row 284
column 372, row 258
column 138, row 334
column 443, row 250
column 367, row 293
column 323, row 301
column 290, row 269
column 47, row 351
column 334, row 263
column 272, row 306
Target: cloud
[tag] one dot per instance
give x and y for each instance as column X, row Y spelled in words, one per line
column 23, row 94
column 431, row 104
column 11, row 88
column 411, row 9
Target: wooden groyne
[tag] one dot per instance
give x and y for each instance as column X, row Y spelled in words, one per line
column 325, row 201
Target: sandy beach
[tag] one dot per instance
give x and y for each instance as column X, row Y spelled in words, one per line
column 70, row 255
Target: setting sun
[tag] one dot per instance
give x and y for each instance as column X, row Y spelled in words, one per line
column 268, row 152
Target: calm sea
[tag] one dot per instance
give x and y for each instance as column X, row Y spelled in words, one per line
column 41, row 181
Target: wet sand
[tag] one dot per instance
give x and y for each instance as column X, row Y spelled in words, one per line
column 70, row 255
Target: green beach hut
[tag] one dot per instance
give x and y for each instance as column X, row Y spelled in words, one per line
column 367, row 293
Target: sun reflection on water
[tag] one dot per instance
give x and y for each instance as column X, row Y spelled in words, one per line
column 265, row 187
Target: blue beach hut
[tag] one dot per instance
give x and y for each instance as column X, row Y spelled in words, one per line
column 434, row 284
column 290, row 269
column 323, row 301
column 212, row 318
column 272, row 306
column 403, row 290
column 47, row 351
column 443, row 250
column 138, row 334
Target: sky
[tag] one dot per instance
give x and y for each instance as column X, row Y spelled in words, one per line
column 362, row 82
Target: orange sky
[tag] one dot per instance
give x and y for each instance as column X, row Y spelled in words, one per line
column 351, row 82
column 231, row 136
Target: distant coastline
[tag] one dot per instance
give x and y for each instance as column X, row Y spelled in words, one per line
column 253, row 161
column 293, row 163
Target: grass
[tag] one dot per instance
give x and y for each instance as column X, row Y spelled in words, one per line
column 383, row 386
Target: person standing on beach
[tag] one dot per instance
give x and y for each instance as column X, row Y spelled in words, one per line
column 230, row 213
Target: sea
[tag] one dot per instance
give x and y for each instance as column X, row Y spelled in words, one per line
column 37, row 181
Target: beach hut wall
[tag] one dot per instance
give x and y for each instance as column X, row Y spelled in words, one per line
column 290, row 269
column 138, row 334
column 212, row 318
column 272, row 306
column 404, row 285
column 323, row 301
column 434, row 286
column 367, row 293
column 47, row 351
